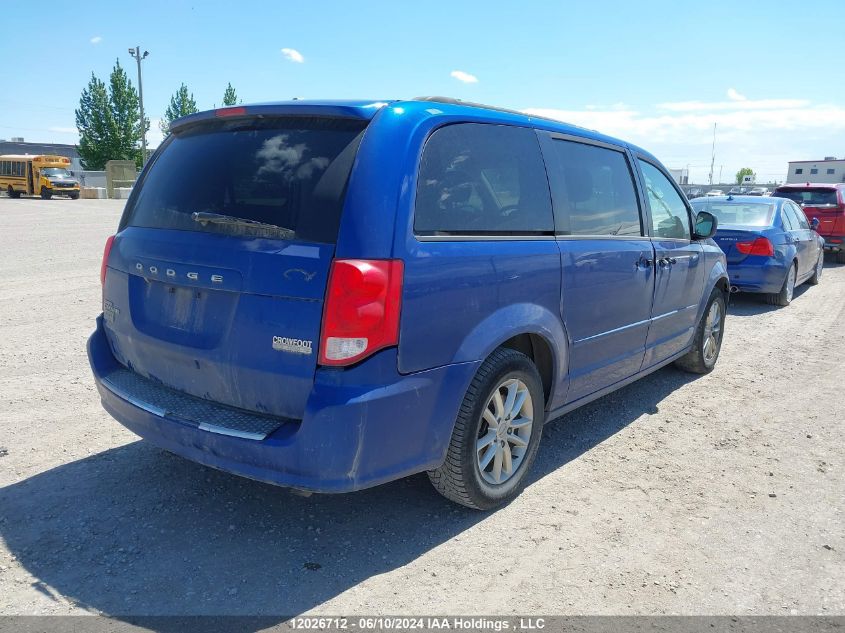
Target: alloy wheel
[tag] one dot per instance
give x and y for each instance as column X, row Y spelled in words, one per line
column 505, row 431
column 712, row 332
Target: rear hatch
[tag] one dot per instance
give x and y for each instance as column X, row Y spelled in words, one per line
column 818, row 202
column 226, row 310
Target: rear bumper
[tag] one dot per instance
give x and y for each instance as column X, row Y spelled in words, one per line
column 362, row 426
column 837, row 244
column 762, row 276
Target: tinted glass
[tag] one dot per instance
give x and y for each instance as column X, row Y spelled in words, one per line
column 482, row 179
column 799, row 215
column 741, row 214
column 787, row 221
column 290, row 172
column 593, row 190
column 669, row 215
column 810, row 196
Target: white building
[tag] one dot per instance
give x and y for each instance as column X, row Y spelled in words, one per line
column 828, row 170
column 681, row 176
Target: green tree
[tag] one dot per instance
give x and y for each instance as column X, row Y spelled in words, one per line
column 745, row 171
column 230, row 97
column 126, row 132
column 107, row 120
column 95, row 123
column 181, row 104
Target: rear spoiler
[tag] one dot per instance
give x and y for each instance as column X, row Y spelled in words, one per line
column 290, row 108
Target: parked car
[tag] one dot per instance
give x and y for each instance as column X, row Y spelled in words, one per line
column 331, row 295
column 714, row 192
column 770, row 246
column 694, row 192
column 759, row 191
column 827, row 203
column 739, row 191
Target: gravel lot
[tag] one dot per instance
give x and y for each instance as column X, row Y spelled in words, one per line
column 721, row 494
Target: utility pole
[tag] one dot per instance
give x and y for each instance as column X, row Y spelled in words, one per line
column 136, row 53
column 713, row 155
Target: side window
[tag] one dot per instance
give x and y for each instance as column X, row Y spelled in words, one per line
column 799, row 170
column 480, row 179
column 593, row 190
column 669, row 215
column 799, row 215
column 786, row 219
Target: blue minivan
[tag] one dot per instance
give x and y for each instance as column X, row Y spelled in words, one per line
column 331, row 295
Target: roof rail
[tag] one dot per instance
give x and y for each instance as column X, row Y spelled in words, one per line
column 472, row 104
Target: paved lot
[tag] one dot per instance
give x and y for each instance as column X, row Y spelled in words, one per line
column 716, row 495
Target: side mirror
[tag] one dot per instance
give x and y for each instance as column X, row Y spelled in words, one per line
column 814, row 224
column 705, row 225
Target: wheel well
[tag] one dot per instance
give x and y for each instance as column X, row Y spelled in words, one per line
column 538, row 350
column 722, row 285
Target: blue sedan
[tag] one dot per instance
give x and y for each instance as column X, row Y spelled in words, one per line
column 770, row 245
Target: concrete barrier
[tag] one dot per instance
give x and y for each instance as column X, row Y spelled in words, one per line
column 95, row 193
column 122, row 193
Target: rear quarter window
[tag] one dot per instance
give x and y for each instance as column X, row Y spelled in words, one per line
column 290, row 172
column 482, row 179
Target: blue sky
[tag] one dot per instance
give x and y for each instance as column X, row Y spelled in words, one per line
column 656, row 73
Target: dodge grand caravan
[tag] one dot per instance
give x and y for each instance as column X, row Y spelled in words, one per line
column 331, row 295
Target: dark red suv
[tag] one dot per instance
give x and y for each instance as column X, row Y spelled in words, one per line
column 825, row 202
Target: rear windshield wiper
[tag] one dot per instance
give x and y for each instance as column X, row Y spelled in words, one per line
column 208, row 217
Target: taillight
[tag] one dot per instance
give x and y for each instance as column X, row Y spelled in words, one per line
column 361, row 314
column 236, row 111
column 760, row 246
column 105, row 263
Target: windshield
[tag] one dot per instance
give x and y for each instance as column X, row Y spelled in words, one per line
column 740, row 214
column 55, row 171
column 809, row 196
column 289, row 172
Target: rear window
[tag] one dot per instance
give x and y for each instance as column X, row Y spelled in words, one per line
column 809, row 196
column 740, row 214
column 290, row 172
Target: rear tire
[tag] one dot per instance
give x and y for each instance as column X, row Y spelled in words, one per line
column 12, row 193
column 707, row 342
column 817, row 273
column 784, row 297
column 840, row 257
column 46, row 194
column 497, row 433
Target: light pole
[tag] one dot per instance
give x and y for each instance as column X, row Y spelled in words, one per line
column 136, row 53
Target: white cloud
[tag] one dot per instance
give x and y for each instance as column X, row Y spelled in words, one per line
column 763, row 134
column 733, row 95
column 96, row 39
column 466, row 78
column 154, row 135
column 738, row 104
column 293, row 55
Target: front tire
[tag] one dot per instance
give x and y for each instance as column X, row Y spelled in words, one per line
column 46, row 194
column 787, row 291
column 707, row 342
column 497, row 434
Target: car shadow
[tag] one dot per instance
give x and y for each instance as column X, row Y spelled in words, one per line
column 749, row 304
column 134, row 531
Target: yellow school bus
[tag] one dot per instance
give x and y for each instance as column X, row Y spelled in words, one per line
column 46, row 176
